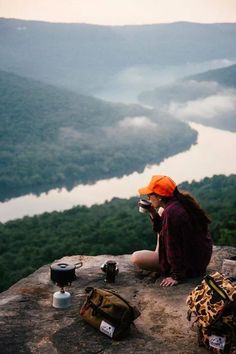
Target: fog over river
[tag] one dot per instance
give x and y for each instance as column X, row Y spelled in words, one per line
column 213, row 154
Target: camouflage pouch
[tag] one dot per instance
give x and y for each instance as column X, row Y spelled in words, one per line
column 219, row 338
column 108, row 312
column 213, row 304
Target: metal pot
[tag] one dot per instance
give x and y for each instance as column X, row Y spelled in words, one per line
column 63, row 273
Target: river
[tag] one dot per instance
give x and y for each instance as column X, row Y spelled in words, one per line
column 213, row 154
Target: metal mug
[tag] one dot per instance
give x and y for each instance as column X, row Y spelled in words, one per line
column 144, row 206
column 111, row 270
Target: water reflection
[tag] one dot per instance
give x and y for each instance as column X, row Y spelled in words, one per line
column 213, row 154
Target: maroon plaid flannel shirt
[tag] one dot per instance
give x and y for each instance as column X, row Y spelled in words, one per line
column 184, row 250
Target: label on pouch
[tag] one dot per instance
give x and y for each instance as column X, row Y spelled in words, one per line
column 107, row 328
column 229, row 268
column 217, row 342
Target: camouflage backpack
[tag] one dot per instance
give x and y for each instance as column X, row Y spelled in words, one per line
column 213, row 304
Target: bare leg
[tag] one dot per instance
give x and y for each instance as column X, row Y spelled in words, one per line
column 147, row 260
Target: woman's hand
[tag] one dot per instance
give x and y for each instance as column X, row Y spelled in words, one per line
column 152, row 212
column 169, row 281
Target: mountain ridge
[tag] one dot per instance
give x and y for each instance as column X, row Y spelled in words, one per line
column 225, row 76
column 92, row 56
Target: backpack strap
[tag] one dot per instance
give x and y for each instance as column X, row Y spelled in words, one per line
column 214, row 286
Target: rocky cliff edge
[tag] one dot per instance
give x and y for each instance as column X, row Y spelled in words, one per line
column 29, row 323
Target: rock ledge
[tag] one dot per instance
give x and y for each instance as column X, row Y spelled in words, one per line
column 29, row 323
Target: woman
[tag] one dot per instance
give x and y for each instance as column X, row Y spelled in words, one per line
column 185, row 245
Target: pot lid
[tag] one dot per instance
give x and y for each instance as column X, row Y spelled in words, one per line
column 62, row 267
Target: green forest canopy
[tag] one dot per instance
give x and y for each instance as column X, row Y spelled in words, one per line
column 115, row 228
column 50, row 137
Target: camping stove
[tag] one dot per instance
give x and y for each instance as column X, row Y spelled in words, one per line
column 61, row 299
column 62, row 274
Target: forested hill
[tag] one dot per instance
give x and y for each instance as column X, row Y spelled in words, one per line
column 224, row 76
column 112, row 228
column 51, row 137
column 186, row 98
column 87, row 57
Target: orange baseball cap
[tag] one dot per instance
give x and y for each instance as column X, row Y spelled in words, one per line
column 162, row 185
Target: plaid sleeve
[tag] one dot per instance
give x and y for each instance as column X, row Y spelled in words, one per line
column 156, row 222
column 173, row 229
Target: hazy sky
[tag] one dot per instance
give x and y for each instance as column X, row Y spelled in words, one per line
column 119, row 12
